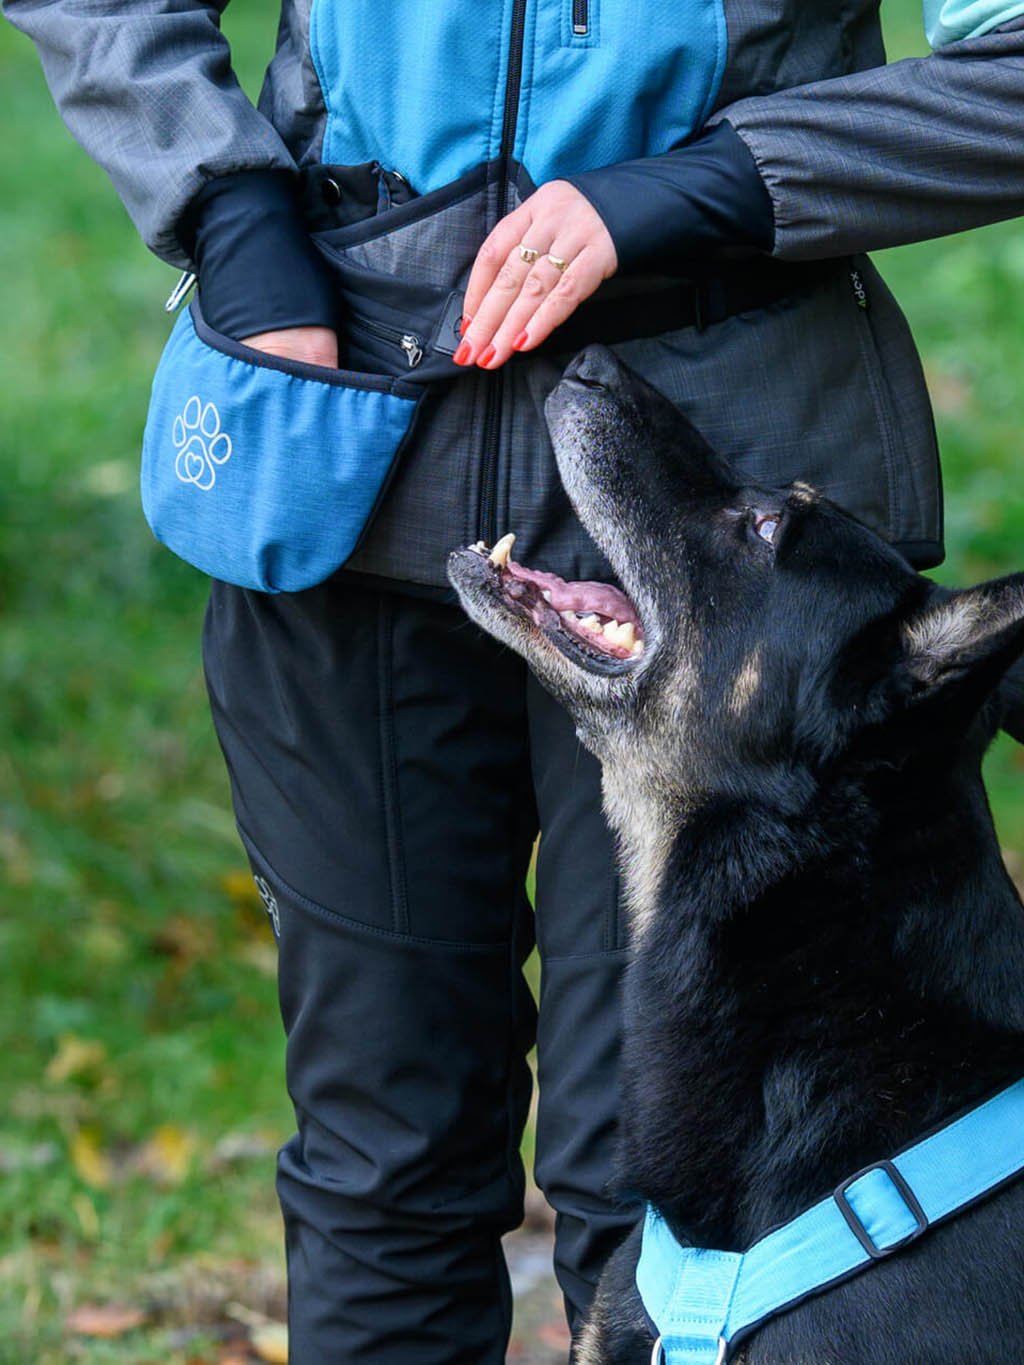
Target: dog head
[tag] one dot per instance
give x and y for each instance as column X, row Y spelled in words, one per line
column 768, row 632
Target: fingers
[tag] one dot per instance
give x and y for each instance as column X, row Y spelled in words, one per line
column 503, row 322
column 532, row 272
column 577, row 283
column 494, row 255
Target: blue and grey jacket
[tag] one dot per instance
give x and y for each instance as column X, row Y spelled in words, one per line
column 744, row 154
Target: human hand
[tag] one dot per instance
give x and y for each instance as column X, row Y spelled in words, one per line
column 512, row 303
column 311, row 345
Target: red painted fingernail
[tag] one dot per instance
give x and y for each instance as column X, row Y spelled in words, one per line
column 464, row 322
column 463, row 354
column 520, row 341
column 486, row 357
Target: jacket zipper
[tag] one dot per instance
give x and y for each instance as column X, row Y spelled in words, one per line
column 408, row 342
column 581, row 18
column 492, row 412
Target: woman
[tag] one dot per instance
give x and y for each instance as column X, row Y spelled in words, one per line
column 451, row 200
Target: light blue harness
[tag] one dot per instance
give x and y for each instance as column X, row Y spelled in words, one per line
column 704, row 1303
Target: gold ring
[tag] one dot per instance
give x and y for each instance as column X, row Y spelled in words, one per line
column 528, row 254
column 560, row 265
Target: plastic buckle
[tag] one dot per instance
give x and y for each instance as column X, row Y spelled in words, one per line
column 857, row 1227
column 658, row 1353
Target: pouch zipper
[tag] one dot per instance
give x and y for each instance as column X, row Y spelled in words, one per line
column 492, row 413
column 407, row 342
column 580, row 18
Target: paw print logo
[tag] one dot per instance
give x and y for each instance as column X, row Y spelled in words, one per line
column 270, row 901
column 200, row 443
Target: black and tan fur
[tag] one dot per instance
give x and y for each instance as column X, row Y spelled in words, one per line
column 829, row 954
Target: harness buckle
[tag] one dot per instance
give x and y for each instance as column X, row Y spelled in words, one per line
column 658, row 1353
column 858, row 1229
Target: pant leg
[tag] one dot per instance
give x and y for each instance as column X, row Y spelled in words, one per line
column 582, row 940
column 378, row 755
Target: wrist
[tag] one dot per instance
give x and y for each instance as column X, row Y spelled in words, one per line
column 257, row 268
column 695, row 202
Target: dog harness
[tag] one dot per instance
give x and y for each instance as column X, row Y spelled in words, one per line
column 703, row 1302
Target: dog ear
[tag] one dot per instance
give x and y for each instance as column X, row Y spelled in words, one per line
column 960, row 644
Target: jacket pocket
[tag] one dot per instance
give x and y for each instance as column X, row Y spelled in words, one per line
column 401, row 276
column 262, row 471
column 815, row 388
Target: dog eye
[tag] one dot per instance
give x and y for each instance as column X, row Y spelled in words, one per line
column 766, row 528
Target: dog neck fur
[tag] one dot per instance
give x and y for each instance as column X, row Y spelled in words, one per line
column 645, row 822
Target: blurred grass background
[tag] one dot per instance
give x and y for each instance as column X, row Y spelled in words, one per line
column 141, row 1086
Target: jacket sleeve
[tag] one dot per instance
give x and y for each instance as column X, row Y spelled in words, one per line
column 146, row 87
column 910, row 151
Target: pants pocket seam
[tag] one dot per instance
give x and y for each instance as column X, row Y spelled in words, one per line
column 389, row 770
column 357, row 926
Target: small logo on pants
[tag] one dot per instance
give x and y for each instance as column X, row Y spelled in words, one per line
column 270, row 901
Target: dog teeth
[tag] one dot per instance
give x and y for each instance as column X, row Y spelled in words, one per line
column 621, row 633
column 638, row 647
column 546, row 594
column 591, row 622
column 499, row 555
column 480, row 547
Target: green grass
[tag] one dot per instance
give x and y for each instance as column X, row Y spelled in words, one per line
column 129, row 930
column 128, row 920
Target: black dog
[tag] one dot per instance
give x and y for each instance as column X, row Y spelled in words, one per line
column 829, row 954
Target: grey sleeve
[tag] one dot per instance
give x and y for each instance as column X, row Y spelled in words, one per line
column 146, row 87
column 905, row 152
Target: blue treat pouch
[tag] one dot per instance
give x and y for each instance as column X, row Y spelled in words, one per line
column 262, row 471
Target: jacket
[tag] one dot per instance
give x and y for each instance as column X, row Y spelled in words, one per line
column 453, row 114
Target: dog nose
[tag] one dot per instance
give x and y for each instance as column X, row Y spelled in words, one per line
column 596, row 368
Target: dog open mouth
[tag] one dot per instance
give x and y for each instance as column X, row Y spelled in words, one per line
column 595, row 624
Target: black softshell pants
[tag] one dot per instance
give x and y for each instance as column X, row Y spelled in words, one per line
column 391, row 766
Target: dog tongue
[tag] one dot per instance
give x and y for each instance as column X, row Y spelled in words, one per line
column 601, row 598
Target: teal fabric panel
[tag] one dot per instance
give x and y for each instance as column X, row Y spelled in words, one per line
column 257, row 476
column 418, row 87
column 687, row 1292
column 644, row 78
column 696, row 1296
column 949, row 21
column 421, row 88
column 968, row 1157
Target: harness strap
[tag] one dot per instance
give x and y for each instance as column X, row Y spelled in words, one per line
column 704, row 1302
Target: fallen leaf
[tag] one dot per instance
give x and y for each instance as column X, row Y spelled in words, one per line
column 271, row 1343
column 88, row 1218
column 240, row 887
column 73, row 1056
column 89, row 1159
column 167, row 1155
column 234, row 1147
column 259, row 954
column 185, row 939
column 554, row 1334
column 105, row 1319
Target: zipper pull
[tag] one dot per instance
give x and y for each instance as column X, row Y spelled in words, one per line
column 413, row 350
column 179, row 293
